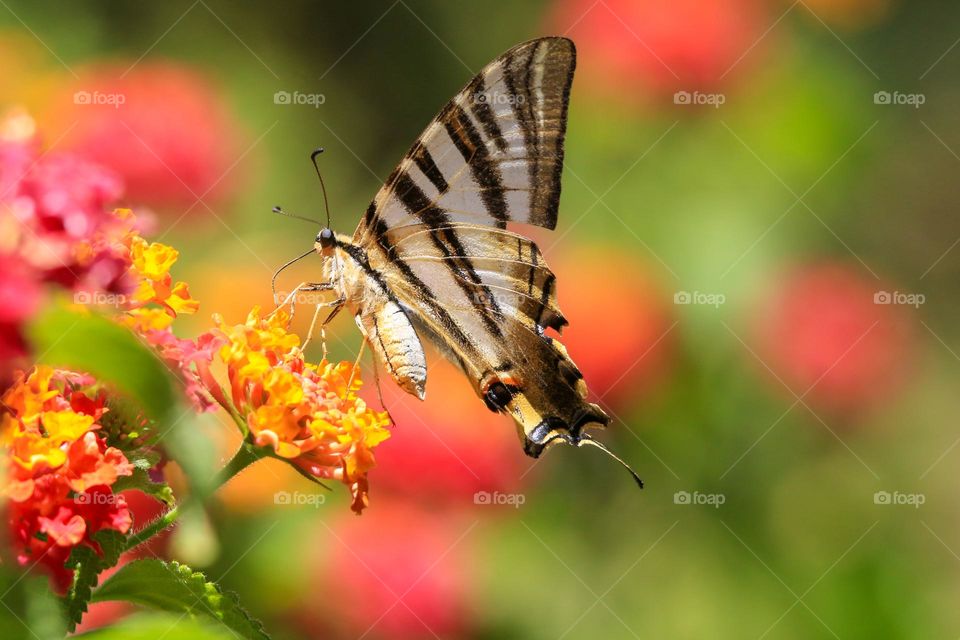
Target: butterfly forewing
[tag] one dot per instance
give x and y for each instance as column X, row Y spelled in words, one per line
column 493, row 154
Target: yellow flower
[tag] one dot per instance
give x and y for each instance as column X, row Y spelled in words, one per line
column 146, row 319
column 152, row 261
column 180, row 301
column 41, row 445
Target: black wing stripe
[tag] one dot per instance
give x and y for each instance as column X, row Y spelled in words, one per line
column 448, row 242
column 484, row 169
column 519, row 112
column 484, row 113
column 425, row 294
column 553, row 201
column 425, row 162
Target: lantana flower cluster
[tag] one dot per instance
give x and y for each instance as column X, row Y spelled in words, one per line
column 60, row 469
column 307, row 414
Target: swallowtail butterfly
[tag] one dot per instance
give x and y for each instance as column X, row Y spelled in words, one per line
column 432, row 259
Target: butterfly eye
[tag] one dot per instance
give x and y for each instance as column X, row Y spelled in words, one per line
column 325, row 238
column 498, row 396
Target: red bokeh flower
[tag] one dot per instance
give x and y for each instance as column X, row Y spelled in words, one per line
column 620, row 322
column 633, row 48
column 161, row 126
column 449, row 446
column 828, row 330
column 404, row 575
column 56, row 230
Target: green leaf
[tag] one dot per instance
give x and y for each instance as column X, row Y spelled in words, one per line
column 112, row 353
column 108, row 351
column 141, row 481
column 43, row 613
column 150, row 626
column 28, row 609
column 171, row 586
column 88, row 565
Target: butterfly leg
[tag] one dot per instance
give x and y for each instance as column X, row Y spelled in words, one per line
column 376, row 381
column 337, row 305
column 288, row 300
column 292, row 296
column 323, row 327
column 356, row 364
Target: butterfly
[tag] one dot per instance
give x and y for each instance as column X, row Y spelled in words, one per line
column 432, row 258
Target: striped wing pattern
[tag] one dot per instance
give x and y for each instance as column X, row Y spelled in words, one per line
column 493, row 154
column 436, row 236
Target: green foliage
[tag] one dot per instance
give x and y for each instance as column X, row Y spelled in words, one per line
column 141, row 481
column 174, row 587
column 88, row 565
column 29, row 609
column 113, row 355
column 167, row 626
column 109, row 352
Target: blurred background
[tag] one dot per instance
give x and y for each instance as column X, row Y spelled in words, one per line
column 757, row 252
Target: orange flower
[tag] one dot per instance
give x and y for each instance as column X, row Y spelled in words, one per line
column 307, row 414
column 59, row 481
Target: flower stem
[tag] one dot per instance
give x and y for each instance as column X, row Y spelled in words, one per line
column 244, row 457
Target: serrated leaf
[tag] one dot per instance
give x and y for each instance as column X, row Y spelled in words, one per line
column 88, row 565
column 174, row 587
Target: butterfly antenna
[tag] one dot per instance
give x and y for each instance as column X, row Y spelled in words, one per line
column 326, row 203
column 281, row 212
column 585, row 439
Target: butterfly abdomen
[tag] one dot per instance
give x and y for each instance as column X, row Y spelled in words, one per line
column 384, row 324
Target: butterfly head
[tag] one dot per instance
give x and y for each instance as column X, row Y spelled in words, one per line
column 325, row 241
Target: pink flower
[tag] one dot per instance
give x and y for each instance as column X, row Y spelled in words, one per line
column 822, row 331
column 406, row 574
column 633, row 47
column 165, row 129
